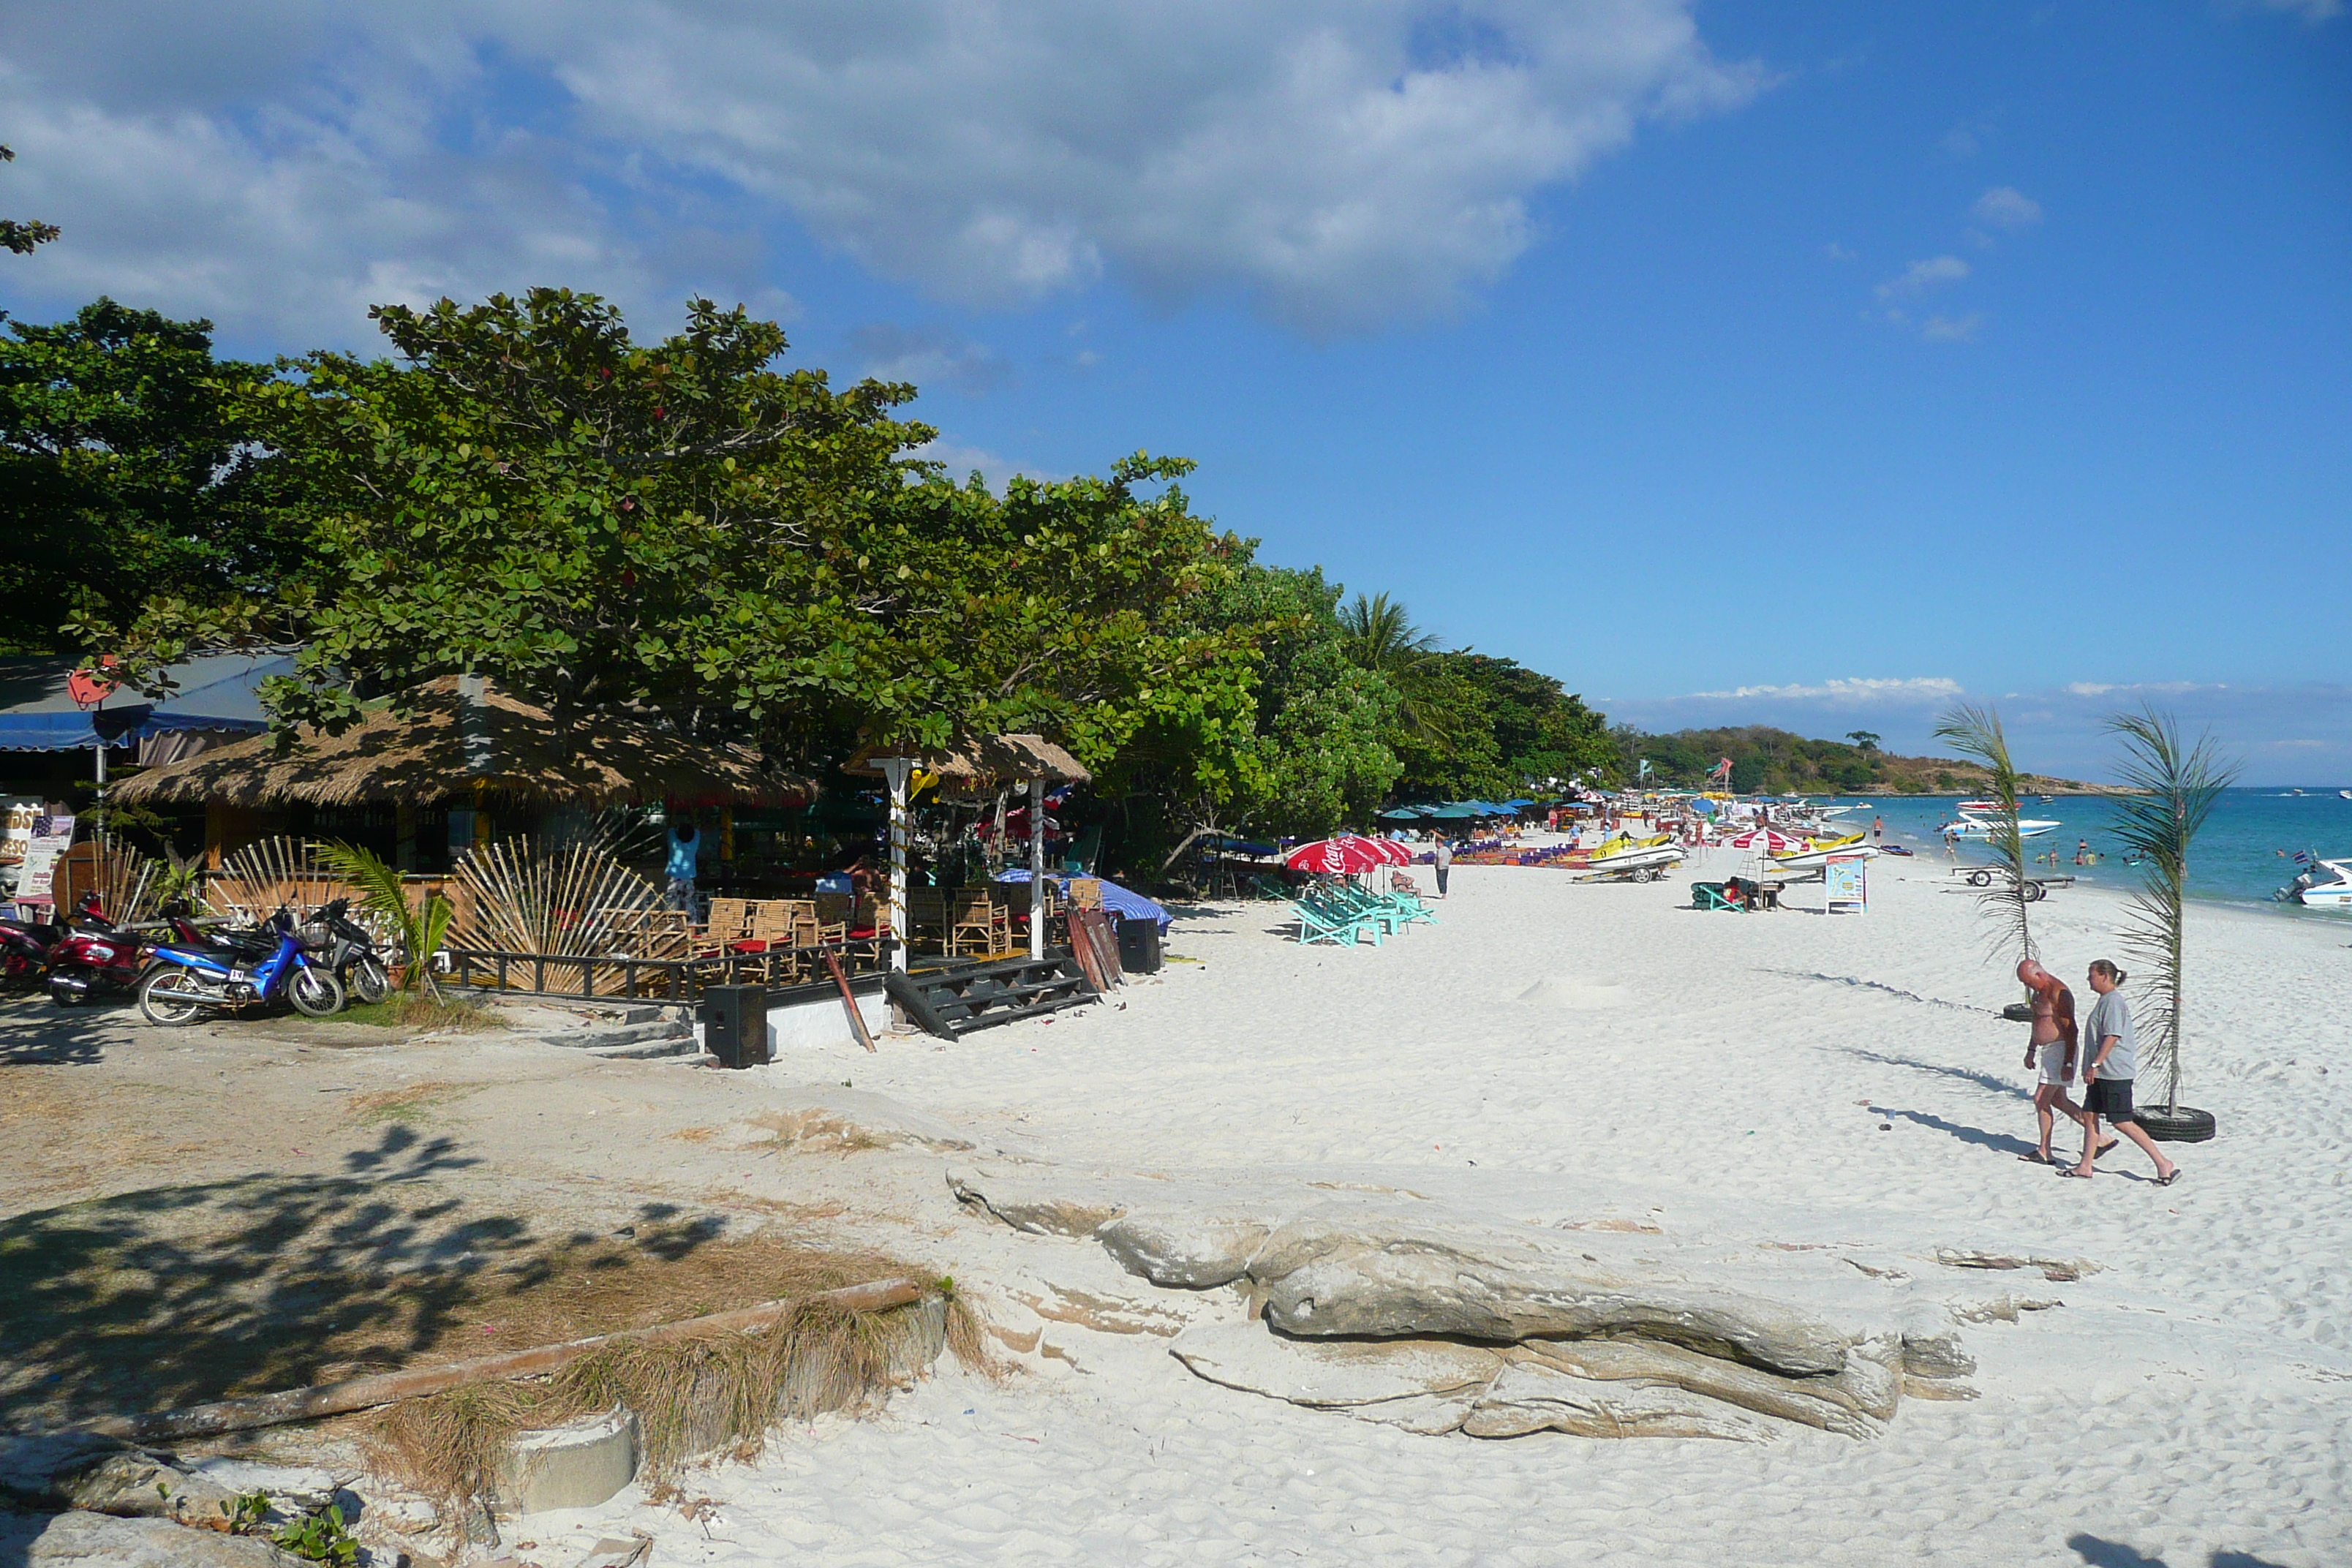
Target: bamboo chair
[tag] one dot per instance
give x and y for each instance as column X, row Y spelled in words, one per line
column 730, row 918
column 834, row 913
column 982, row 928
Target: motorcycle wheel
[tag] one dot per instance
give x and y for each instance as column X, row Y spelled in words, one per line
column 170, row 997
column 368, row 983
column 315, row 992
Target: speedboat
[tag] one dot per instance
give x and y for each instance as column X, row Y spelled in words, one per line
column 2333, row 893
column 1822, row 853
column 2344, row 794
column 1643, row 859
column 1979, row 819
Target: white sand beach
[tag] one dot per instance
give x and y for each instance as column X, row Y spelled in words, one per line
column 1819, row 1110
column 1553, row 1056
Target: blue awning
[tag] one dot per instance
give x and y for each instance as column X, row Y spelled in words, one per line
column 1124, row 902
column 217, row 692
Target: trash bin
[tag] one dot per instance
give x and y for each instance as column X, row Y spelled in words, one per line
column 1138, row 946
column 735, row 1024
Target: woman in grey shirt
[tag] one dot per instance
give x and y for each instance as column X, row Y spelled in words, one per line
column 2110, row 1059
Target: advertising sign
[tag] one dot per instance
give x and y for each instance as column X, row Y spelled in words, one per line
column 1846, row 880
column 52, row 836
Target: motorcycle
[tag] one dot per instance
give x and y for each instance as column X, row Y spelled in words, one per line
column 25, row 945
column 349, row 950
column 94, row 956
column 186, row 980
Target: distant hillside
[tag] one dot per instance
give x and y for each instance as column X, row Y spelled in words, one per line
column 1780, row 761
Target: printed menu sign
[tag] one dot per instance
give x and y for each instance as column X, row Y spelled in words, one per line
column 52, row 836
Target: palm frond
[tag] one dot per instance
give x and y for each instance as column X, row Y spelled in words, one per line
column 384, row 904
column 2178, row 786
column 1975, row 730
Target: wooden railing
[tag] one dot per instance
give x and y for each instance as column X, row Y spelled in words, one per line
column 613, row 976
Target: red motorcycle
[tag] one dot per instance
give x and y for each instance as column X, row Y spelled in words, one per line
column 26, row 946
column 94, row 956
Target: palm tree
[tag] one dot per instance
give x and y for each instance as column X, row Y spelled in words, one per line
column 1975, row 731
column 416, row 930
column 2178, row 786
column 1382, row 637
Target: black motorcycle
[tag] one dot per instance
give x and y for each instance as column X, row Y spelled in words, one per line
column 348, row 949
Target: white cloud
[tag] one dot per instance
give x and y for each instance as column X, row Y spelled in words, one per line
column 1952, row 328
column 962, row 461
column 1855, row 692
column 2157, row 688
column 2006, row 207
column 929, row 357
column 1836, row 252
column 1343, row 163
column 1925, row 274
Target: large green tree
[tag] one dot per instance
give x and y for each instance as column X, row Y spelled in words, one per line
column 127, row 473
column 527, row 493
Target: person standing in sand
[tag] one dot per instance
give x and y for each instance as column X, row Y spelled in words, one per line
column 1444, row 856
column 2052, row 1048
column 2111, row 1052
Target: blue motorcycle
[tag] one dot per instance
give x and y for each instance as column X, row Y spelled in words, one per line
column 185, row 981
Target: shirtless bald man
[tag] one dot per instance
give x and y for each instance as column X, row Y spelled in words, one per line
column 2052, row 1049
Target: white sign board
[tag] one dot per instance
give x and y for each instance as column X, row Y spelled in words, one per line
column 1846, row 880
column 52, row 836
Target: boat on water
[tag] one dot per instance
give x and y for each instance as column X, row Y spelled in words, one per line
column 2327, row 886
column 1979, row 819
column 2344, row 794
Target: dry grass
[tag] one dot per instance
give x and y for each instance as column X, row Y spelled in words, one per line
column 407, row 1104
column 720, row 1391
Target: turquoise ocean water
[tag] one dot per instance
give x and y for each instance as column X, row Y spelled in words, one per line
column 2245, row 852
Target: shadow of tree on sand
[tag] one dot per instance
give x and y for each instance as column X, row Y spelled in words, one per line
column 173, row 1296
column 37, row 1032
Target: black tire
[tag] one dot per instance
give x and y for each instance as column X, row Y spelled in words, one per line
column 315, row 992
column 2035, row 892
column 2019, row 1013
column 1979, row 878
column 368, row 983
column 2186, row 1125
column 170, row 998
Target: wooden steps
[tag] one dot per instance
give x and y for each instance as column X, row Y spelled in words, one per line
column 954, row 1000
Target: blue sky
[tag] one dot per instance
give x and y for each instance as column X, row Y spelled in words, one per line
column 1733, row 362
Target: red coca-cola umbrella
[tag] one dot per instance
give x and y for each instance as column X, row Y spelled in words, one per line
column 1349, row 855
column 1767, row 838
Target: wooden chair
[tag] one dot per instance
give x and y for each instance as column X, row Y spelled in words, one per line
column 982, row 927
column 834, row 913
column 730, row 918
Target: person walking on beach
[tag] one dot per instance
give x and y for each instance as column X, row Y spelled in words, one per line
column 1444, row 858
column 1878, row 829
column 2052, row 1048
column 2110, row 1052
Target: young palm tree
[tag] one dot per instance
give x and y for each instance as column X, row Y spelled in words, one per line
column 2178, row 785
column 416, row 930
column 1382, row 637
column 1975, row 731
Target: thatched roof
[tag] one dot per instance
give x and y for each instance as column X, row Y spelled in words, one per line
column 446, row 746
column 972, row 758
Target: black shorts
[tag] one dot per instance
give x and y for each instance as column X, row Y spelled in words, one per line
column 2110, row 1098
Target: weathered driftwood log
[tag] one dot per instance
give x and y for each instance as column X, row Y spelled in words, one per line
column 386, row 1388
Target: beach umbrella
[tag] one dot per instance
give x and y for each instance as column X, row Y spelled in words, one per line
column 1767, row 840
column 1403, row 813
column 1349, row 855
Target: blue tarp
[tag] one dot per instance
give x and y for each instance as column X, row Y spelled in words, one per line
column 1123, row 903
column 219, row 692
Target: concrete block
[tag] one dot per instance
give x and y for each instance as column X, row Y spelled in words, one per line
column 577, row 1465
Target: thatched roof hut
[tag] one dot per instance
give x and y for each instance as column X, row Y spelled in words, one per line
column 456, row 737
column 971, row 759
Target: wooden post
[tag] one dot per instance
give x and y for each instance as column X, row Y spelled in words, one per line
column 896, row 770
column 1036, row 867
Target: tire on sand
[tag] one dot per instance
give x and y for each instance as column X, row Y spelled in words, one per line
column 315, row 992
column 169, row 998
column 368, row 983
column 2186, row 1125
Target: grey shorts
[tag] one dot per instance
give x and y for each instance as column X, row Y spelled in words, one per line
column 2053, row 1065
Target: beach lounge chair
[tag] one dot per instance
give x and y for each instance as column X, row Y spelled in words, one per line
column 1710, row 896
column 1319, row 920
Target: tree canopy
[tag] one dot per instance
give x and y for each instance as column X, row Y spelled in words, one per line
column 127, row 474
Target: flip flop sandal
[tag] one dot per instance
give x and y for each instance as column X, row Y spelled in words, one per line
column 2168, row 1181
column 2070, row 1170
column 2037, row 1159
column 2109, row 1147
